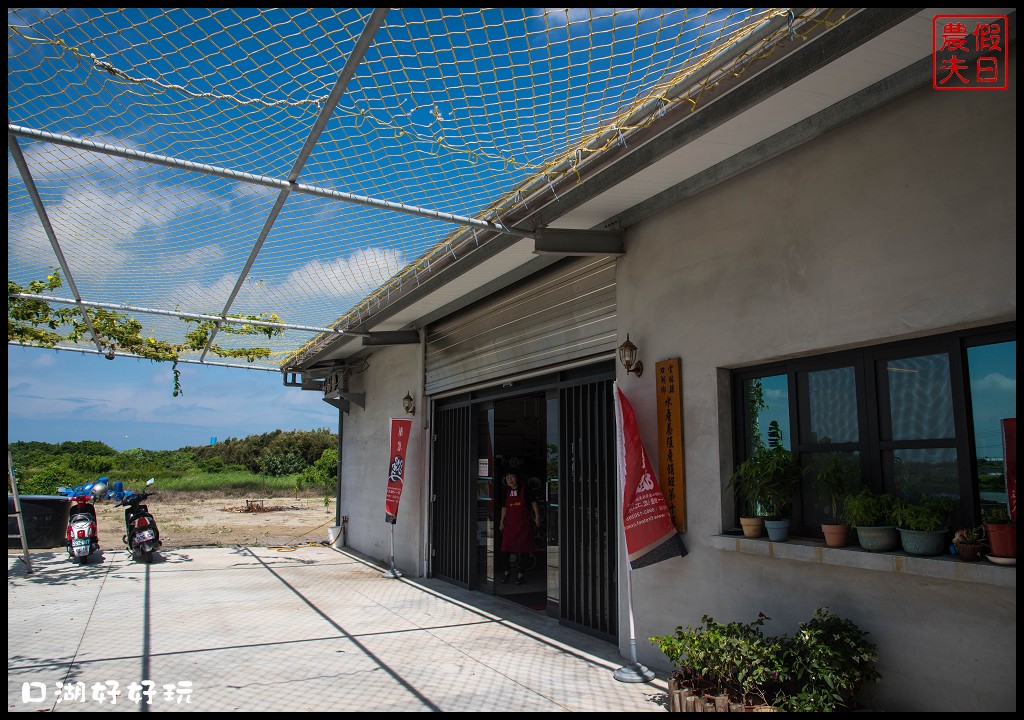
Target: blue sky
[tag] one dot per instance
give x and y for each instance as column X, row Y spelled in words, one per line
column 54, row 396
column 450, row 109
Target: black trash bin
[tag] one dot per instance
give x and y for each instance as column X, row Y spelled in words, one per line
column 46, row 520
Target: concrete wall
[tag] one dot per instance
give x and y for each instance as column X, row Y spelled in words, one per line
column 902, row 223
column 390, row 373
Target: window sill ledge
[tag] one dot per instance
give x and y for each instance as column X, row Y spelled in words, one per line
column 943, row 567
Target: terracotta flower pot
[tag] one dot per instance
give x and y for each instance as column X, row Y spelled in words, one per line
column 1002, row 539
column 837, row 535
column 753, row 527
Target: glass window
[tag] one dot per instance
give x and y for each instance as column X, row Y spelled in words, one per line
column 920, row 417
column 920, row 398
column 993, row 385
column 832, row 406
column 931, row 471
column 767, row 402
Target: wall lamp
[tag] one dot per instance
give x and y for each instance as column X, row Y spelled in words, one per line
column 628, row 358
column 110, row 354
column 409, row 404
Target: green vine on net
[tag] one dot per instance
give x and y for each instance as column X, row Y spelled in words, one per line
column 34, row 322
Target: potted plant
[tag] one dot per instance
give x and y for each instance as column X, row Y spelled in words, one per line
column 870, row 515
column 923, row 524
column 833, row 484
column 969, row 542
column 749, row 483
column 1001, row 532
column 782, row 474
column 734, row 664
column 736, row 667
column 827, row 663
column 767, row 482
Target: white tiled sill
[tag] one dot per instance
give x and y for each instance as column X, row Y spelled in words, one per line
column 944, row 567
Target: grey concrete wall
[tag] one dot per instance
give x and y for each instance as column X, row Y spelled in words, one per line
column 390, row 373
column 900, row 224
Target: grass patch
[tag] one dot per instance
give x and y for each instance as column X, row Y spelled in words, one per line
column 228, row 483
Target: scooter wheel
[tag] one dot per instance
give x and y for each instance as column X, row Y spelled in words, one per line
column 84, row 560
column 147, row 556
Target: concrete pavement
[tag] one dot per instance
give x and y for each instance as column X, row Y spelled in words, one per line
column 312, row 628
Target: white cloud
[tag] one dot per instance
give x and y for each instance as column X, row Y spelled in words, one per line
column 359, row 274
column 99, row 230
column 995, row 382
column 48, row 161
column 201, row 258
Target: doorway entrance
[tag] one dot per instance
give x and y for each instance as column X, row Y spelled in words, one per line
column 558, row 434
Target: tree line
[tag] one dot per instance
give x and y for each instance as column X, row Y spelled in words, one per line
column 41, row 467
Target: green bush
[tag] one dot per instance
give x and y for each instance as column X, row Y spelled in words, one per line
column 211, row 465
column 322, row 474
column 828, row 661
column 278, row 465
column 821, row 668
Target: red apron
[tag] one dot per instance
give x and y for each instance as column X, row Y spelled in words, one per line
column 517, row 536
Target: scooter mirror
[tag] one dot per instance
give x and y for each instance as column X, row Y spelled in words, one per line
column 99, row 488
column 150, row 482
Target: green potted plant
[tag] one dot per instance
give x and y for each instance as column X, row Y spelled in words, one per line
column 732, row 664
column 734, row 667
column 782, row 474
column 1001, row 532
column 832, row 482
column 749, row 483
column 767, row 482
column 870, row 514
column 923, row 524
column 827, row 662
column 969, row 542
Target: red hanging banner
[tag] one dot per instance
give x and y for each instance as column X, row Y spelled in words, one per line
column 650, row 533
column 400, row 431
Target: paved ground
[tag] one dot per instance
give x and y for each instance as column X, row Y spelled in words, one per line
column 313, row 629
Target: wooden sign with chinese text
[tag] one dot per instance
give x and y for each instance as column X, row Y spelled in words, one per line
column 672, row 475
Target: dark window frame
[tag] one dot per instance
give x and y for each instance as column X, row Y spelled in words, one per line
column 873, row 412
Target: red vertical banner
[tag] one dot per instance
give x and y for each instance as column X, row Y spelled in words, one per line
column 401, row 428
column 650, row 533
column 1010, row 464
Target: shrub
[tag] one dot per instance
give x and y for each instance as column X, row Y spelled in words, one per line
column 323, row 474
column 828, row 661
column 821, row 668
column 211, row 465
column 734, row 658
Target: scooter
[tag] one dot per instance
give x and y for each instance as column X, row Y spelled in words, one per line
column 141, row 536
column 82, row 538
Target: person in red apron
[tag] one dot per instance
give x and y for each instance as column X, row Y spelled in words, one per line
column 519, row 515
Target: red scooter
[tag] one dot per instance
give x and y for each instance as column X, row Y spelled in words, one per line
column 82, row 537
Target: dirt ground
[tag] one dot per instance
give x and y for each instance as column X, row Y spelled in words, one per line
column 194, row 520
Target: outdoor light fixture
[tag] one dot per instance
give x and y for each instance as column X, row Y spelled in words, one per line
column 627, row 356
column 409, row 404
column 110, row 352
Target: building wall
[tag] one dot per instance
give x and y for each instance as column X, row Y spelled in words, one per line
column 390, row 373
column 899, row 224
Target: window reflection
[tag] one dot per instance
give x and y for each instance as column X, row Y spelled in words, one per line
column 767, row 401
column 921, row 472
column 921, row 399
column 993, row 386
column 832, row 398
